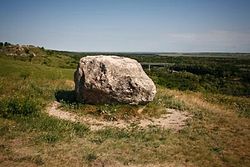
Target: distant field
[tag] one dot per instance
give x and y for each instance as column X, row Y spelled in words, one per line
column 214, row 90
column 208, row 54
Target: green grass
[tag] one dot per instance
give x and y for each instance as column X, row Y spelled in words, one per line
column 217, row 134
column 240, row 105
column 25, row 70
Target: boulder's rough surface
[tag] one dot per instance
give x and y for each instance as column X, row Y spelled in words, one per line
column 112, row 79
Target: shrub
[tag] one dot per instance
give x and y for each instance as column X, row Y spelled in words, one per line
column 19, row 106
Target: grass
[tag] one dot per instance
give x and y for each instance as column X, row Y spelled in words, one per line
column 217, row 135
column 240, row 105
column 112, row 112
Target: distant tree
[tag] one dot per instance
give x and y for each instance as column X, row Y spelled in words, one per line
column 7, row 44
column 1, row 44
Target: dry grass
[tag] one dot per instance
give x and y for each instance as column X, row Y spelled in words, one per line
column 214, row 137
column 217, row 134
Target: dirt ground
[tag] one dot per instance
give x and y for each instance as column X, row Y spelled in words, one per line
column 174, row 119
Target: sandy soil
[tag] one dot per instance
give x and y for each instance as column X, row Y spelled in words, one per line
column 174, row 119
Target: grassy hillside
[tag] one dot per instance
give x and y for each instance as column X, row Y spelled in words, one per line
column 223, row 73
column 217, row 134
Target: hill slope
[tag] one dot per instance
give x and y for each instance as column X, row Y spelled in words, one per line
column 217, row 134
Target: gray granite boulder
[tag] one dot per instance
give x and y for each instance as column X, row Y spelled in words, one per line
column 112, row 79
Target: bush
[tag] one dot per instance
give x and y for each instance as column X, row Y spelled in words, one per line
column 19, row 106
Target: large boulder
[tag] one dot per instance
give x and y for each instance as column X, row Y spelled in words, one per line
column 112, row 79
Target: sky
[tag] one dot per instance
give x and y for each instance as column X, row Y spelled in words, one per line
column 128, row 25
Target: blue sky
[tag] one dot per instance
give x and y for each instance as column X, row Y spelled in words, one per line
column 128, row 25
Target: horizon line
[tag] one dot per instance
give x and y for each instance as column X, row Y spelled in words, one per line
column 141, row 52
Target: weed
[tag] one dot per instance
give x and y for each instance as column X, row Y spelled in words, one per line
column 91, row 157
column 80, row 130
column 19, row 106
column 50, row 138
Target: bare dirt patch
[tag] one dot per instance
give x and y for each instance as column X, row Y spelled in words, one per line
column 173, row 119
